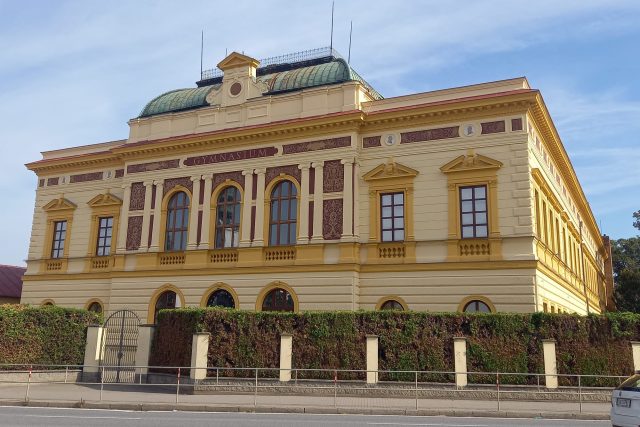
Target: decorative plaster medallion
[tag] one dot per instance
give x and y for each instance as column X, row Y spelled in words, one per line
column 235, row 89
column 389, row 139
column 468, row 129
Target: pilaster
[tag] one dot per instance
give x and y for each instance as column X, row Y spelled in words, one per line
column 259, row 224
column 157, row 214
column 318, row 198
column 245, row 227
column 206, row 213
column 124, row 220
column 192, row 242
column 146, row 217
column 303, row 220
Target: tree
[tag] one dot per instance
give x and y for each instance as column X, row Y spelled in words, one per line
column 626, row 270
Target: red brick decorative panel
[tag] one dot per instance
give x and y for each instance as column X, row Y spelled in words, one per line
column 134, row 232
column 153, row 166
column 371, row 141
column 516, row 124
column 332, row 219
column 231, row 156
column 153, row 197
column 253, row 222
column 184, row 181
column 85, row 177
column 430, row 134
column 150, row 230
column 119, row 173
column 310, row 219
column 236, row 176
column 333, row 176
column 199, row 225
column 312, row 180
column 52, row 181
column 136, row 202
column 254, row 187
column 322, row 144
column 41, row 182
column 492, row 127
column 272, row 173
column 201, row 196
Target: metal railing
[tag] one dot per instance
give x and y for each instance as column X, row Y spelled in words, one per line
column 337, row 388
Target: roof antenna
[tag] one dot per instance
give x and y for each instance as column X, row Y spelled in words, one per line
column 350, row 32
column 201, row 51
column 331, row 45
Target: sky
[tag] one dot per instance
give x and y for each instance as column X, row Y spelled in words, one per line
column 74, row 72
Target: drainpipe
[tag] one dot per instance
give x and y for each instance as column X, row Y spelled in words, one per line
column 584, row 282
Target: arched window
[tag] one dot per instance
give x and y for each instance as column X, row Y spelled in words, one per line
column 476, row 306
column 221, row 298
column 95, row 307
column 284, row 214
column 228, row 218
column 278, row 299
column 177, row 222
column 167, row 299
column 391, row 304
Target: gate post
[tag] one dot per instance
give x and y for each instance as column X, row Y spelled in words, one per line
column 635, row 351
column 143, row 351
column 286, row 344
column 92, row 353
column 550, row 366
column 199, row 352
column 460, row 360
column 372, row 359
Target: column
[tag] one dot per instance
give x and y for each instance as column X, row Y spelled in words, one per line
column 157, row 214
column 143, row 351
column 146, row 217
column 258, row 239
column 92, row 352
column 356, row 200
column 245, row 226
column 550, row 366
column 460, row 360
column 318, row 198
column 286, row 351
column 199, row 351
column 303, row 221
column 372, row 359
column 635, row 349
column 347, row 201
column 192, row 242
column 206, row 213
column 124, row 220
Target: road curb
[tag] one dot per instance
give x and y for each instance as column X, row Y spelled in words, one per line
column 147, row 406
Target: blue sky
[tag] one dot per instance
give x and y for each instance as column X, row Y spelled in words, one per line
column 73, row 72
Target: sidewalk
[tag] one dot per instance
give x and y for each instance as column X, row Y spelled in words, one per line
column 163, row 397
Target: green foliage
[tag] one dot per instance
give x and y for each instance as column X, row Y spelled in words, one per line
column 408, row 341
column 48, row 335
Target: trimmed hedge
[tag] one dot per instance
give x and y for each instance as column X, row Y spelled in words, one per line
column 592, row 345
column 47, row 335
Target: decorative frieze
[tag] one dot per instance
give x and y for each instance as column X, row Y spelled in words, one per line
column 136, row 202
column 235, row 176
column 119, row 173
column 430, row 134
column 322, row 144
column 276, row 171
column 184, row 181
column 153, row 166
column 332, row 219
column 492, row 127
column 333, row 178
column 516, row 124
column 52, row 181
column 231, row 156
column 371, row 141
column 134, row 232
column 85, row 177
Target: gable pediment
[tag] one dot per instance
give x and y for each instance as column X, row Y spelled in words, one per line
column 60, row 204
column 106, row 199
column 390, row 170
column 235, row 60
column 469, row 162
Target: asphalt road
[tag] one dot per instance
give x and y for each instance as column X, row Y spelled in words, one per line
column 19, row 416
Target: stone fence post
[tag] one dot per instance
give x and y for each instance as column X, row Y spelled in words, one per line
column 372, row 359
column 199, row 353
column 93, row 352
column 143, row 351
column 460, row 360
column 550, row 366
column 286, row 352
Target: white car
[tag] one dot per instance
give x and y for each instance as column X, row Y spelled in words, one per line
column 625, row 403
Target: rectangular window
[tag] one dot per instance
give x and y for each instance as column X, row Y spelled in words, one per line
column 392, row 217
column 105, row 230
column 59, row 235
column 473, row 212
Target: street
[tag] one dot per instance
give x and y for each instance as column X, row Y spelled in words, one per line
column 25, row 416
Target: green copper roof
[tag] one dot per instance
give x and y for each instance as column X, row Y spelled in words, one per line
column 331, row 71
column 178, row 100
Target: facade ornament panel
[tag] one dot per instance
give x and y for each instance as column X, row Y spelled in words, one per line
column 153, row 166
column 333, row 176
column 323, row 144
column 430, row 134
column 137, row 196
column 134, row 233
column 235, row 176
column 332, row 219
column 274, row 172
column 184, row 181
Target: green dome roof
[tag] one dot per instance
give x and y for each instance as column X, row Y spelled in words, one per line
column 178, row 100
column 334, row 71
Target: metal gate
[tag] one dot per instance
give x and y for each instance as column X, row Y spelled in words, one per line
column 120, row 345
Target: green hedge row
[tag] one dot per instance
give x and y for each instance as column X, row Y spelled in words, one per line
column 592, row 345
column 47, row 335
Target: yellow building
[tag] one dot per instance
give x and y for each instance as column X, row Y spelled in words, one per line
column 294, row 185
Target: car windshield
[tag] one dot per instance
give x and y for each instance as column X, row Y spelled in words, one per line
column 632, row 383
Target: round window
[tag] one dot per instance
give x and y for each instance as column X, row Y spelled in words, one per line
column 235, row 88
